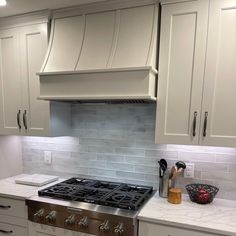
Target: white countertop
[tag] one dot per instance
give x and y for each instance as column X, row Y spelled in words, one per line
column 219, row 217
column 9, row 189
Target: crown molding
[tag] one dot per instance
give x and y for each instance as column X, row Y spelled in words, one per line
column 31, row 18
column 100, row 7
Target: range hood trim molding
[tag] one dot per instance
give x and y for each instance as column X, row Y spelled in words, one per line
column 143, row 68
column 99, row 98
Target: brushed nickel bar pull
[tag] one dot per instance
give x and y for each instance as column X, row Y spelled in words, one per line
column 18, row 119
column 6, row 232
column 194, row 123
column 5, row 207
column 205, row 124
column 25, row 119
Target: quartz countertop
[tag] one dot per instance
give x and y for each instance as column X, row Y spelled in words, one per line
column 219, row 217
column 9, row 189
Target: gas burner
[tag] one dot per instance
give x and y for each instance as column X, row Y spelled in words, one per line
column 106, row 185
column 134, row 189
column 60, row 191
column 80, row 182
column 90, row 195
column 124, row 200
column 120, row 195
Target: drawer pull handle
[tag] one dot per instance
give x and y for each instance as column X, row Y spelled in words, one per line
column 6, row 232
column 5, row 207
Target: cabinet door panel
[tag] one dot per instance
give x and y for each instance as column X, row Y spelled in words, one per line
column 13, row 230
column 220, row 82
column 149, row 229
column 45, row 230
column 181, row 71
column 10, row 82
column 33, row 50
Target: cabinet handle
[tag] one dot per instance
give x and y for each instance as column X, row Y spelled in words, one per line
column 5, row 207
column 25, row 119
column 205, row 124
column 18, row 119
column 6, row 232
column 194, row 123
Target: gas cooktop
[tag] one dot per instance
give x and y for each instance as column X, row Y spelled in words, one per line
column 121, row 195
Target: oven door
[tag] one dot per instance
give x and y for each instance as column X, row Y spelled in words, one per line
column 36, row 229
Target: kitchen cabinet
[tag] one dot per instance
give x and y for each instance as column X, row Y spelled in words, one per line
column 220, row 76
column 181, row 71
column 41, row 230
column 151, row 229
column 197, row 73
column 13, row 217
column 22, row 51
column 10, row 82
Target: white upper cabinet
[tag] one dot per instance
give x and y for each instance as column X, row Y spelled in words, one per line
column 220, row 79
column 197, row 72
column 181, row 71
column 33, row 41
column 22, row 50
column 10, row 81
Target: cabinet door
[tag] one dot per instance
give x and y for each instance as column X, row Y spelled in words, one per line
column 181, row 71
column 149, row 229
column 13, row 230
column 219, row 110
column 45, row 230
column 33, row 41
column 10, row 82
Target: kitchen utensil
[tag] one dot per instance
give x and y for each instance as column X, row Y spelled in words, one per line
column 163, row 164
column 172, row 171
column 177, row 169
column 180, row 164
column 162, row 167
column 201, row 193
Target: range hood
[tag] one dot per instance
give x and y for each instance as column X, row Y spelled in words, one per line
column 102, row 52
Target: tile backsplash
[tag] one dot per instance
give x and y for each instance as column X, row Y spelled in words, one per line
column 116, row 143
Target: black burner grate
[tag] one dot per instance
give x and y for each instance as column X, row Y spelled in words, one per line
column 105, row 193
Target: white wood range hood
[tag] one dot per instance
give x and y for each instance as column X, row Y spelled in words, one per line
column 102, row 52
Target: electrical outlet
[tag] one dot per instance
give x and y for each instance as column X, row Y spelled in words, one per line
column 189, row 171
column 48, row 157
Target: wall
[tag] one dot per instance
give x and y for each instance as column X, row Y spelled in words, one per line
column 116, row 143
column 10, row 156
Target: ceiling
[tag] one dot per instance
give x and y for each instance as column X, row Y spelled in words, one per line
column 15, row 7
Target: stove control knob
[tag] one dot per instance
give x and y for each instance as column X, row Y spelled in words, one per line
column 119, row 230
column 104, row 227
column 51, row 217
column 38, row 216
column 70, row 221
column 83, row 223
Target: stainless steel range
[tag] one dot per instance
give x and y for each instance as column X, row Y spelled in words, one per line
column 90, row 206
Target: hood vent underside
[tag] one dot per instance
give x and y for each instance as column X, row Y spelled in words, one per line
column 106, row 56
